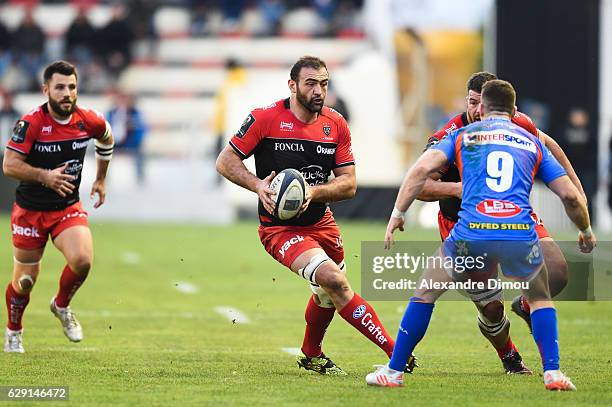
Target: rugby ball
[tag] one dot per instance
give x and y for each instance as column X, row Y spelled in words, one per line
column 289, row 187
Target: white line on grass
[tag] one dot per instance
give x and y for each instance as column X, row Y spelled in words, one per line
column 131, row 258
column 233, row 315
column 185, row 287
column 291, row 351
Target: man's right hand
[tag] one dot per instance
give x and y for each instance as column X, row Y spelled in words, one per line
column 586, row 242
column 58, row 181
column 265, row 193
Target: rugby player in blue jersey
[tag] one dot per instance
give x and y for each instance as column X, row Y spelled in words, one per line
column 498, row 162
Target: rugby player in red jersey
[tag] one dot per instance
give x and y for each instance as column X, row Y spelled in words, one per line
column 300, row 133
column 492, row 320
column 46, row 154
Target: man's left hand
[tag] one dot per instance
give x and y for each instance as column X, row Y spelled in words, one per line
column 99, row 188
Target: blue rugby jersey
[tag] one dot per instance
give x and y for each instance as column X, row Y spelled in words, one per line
column 498, row 162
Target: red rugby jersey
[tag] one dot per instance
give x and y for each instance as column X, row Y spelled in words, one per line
column 279, row 140
column 49, row 144
column 450, row 206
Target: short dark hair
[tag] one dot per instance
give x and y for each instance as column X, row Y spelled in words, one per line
column 498, row 96
column 61, row 67
column 306, row 62
column 478, row 79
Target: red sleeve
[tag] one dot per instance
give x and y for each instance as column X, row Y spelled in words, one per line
column 23, row 136
column 97, row 126
column 344, row 151
column 524, row 121
column 249, row 135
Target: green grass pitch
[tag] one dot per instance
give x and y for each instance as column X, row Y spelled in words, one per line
column 146, row 343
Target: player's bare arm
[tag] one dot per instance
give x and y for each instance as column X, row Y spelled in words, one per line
column 343, row 186
column 434, row 189
column 576, row 209
column 15, row 166
column 104, row 152
column 429, row 162
column 230, row 165
column 559, row 154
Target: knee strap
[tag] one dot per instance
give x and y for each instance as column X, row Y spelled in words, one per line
column 492, row 328
column 35, row 263
column 308, row 271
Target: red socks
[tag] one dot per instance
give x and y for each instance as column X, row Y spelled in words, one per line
column 525, row 305
column 15, row 305
column 362, row 316
column 509, row 347
column 317, row 321
column 68, row 285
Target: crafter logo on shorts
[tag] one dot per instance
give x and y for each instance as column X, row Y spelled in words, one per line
column 359, row 311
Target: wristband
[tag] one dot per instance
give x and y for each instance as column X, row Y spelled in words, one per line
column 397, row 213
column 104, row 151
column 588, row 232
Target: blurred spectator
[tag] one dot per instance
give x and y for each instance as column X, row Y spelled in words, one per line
column 129, row 130
column 28, row 42
column 141, row 20
column 271, row 11
column 80, row 39
column 115, row 40
column 94, row 78
column 5, row 48
column 232, row 11
column 336, row 102
column 346, row 17
column 236, row 77
column 8, row 117
column 200, row 11
column 579, row 146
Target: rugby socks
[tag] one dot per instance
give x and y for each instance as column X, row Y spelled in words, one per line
column 525, row 304
column 507, row 349
column 546, row 336
column 317, row 321
column 68, row 285
column 412, row 329
column 15, row 305
column 362, row 316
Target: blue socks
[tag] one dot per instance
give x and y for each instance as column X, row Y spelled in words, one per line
column 412, row 329
column 546, row 336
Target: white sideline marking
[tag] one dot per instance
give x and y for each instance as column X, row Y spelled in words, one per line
column 291, row 351
column 233, row 315
column 131, row 258
column 186, row 287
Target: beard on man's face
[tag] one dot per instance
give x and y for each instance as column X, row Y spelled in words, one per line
column 314, row 105
column 58, row 107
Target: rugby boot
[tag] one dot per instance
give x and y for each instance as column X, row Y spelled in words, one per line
column 519, row 309
column 72, row 328
column 555, row 380
column 411, row 364
column 513, row 364
column 321, row 364
column 13, row 341
column 385, row 377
